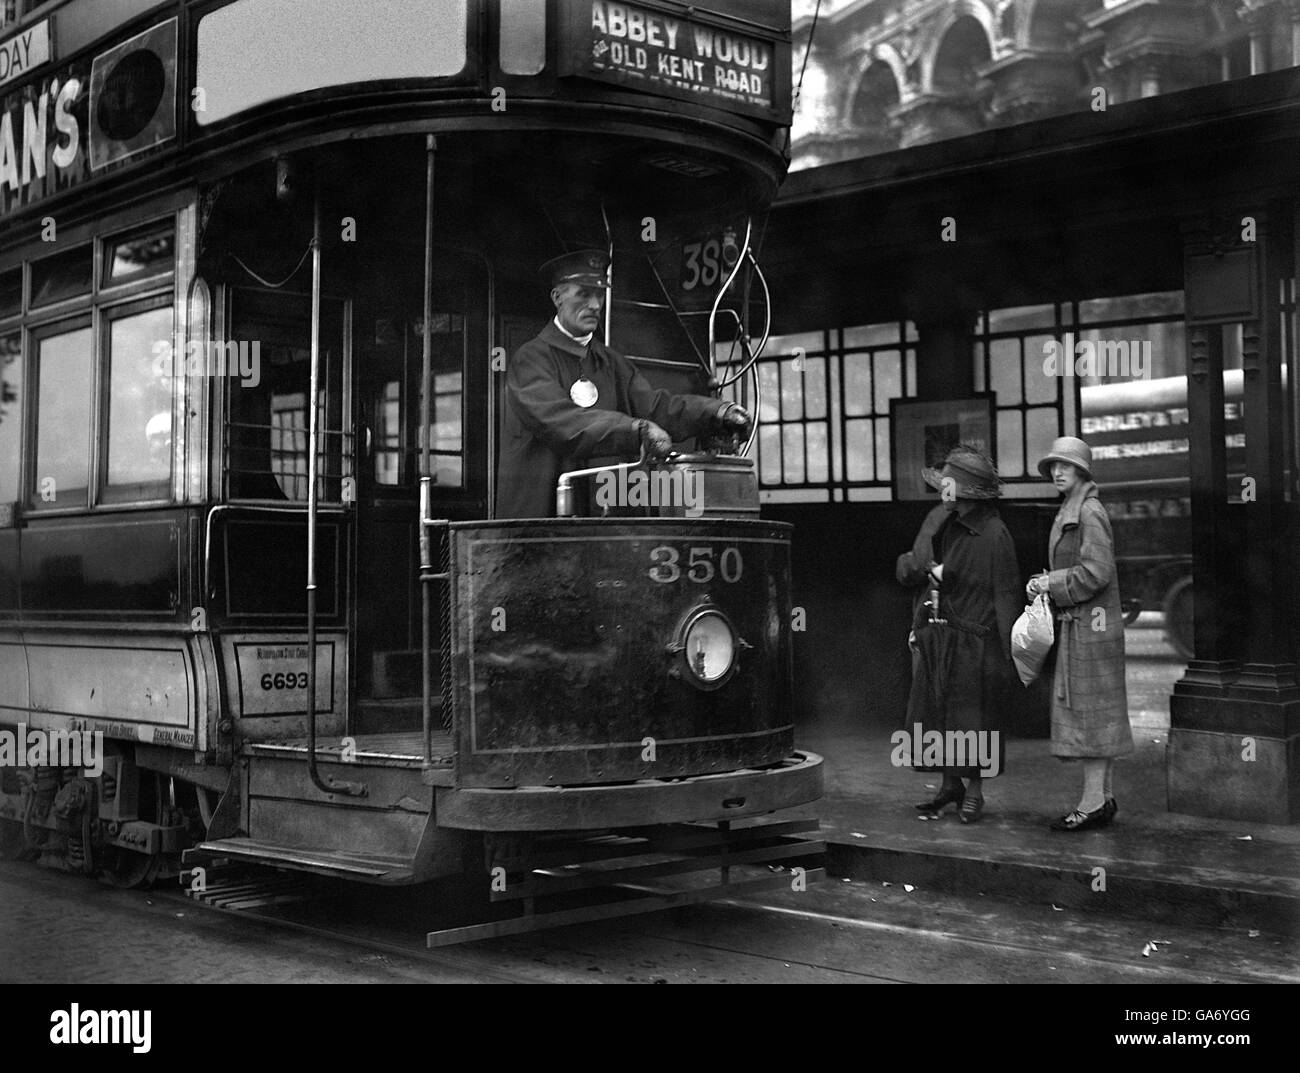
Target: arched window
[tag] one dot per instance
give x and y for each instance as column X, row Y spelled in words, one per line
column 964, row 48
column 877, row 94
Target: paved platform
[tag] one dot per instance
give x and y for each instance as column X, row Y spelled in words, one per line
column 1156, row 864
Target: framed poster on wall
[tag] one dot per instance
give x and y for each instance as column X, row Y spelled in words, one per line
column 923, row 431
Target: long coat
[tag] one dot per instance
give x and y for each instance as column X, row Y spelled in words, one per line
column 1089, row 697
column 961, row 669
column 545, row 433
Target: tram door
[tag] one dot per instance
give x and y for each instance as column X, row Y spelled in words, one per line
column 389, row 345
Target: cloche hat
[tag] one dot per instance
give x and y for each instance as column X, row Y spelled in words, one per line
column 1067, row 449
column 971, row 473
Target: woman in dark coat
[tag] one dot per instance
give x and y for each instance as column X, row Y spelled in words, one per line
column 964, row 561
column 1089, row 697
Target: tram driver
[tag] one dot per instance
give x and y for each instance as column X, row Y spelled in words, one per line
column 572, row 402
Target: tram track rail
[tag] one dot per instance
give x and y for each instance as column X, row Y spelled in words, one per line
column 862, row 933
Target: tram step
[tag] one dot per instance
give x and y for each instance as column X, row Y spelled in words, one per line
column 304, row 858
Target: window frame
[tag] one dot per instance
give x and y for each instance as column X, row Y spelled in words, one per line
column 346, row 433
column 8, row 325
column 1063, row 319
column 95, row 309
column 106, row 315
column 35, row 335
column 834, row 353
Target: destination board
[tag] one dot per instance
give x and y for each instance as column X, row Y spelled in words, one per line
column 644, row 48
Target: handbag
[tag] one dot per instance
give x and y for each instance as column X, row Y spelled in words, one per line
column 1032, row 637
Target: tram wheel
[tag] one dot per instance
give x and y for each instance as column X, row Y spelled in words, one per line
column 1178, row 617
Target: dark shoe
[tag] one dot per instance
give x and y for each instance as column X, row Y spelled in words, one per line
column 972, row 808
column 943, row 799
column 1110, row 808
column 1081, row 821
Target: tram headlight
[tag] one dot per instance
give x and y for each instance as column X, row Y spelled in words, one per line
column 708, row 645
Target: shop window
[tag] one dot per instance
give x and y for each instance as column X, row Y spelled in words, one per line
column 1046, row 363
column 65, row 275
column 11, row 414
column 139, row 254
column 64, row 378
column 137, row 461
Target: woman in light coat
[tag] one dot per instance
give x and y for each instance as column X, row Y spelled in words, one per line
column 1089, row 697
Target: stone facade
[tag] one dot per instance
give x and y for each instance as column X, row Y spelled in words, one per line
column 889, row 74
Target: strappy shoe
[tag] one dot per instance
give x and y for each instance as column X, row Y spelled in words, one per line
column 1076, row 820
column 972, row 808
column 943, row 799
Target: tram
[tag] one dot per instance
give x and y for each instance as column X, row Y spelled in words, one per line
column 263, row 264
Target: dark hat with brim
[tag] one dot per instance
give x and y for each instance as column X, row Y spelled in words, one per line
column 968, row 472
column 586, row 268
column 1067, row 449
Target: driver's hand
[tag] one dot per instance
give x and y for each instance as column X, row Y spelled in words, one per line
column 655, row 440
column 735, row 418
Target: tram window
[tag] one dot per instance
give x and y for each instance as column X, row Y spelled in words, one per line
column 64, row 374
column 65, row 275
column 523, row 37
column 139, row 441
column 388, row 435
column 447, row 436
column 266, row 372
column 11, row 414
column 139, row 254
column 11, row 292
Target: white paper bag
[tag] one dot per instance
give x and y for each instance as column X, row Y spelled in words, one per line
column 1031, row 639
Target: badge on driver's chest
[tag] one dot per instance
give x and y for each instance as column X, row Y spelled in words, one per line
column 584, row 393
